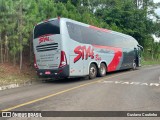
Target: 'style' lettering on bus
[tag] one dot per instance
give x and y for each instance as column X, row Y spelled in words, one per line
column 98, row 58
column 83, row 52
column 44, row 39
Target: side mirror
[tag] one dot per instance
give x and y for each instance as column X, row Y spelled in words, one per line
column 140, row 47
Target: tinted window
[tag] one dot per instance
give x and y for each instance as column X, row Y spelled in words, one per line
column 74, row 32
column 89, row 36
column 51, row 27
column 111, row 39
column 130, row 42
column 92, row 36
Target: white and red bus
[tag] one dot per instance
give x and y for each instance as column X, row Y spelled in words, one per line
column 65, row 48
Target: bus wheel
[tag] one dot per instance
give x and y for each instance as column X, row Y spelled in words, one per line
column 102, row 70
column 92, row 71
column 134, row 67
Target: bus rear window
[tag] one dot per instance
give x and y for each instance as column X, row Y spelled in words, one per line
column 50, row 27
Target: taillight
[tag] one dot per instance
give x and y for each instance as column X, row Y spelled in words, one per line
column 35, row 63
column 63, row 60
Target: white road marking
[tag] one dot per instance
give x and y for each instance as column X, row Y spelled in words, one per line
column 135, row 83
column 145, row 84
column 9, row 86
column 156, row 84
column 131, row 83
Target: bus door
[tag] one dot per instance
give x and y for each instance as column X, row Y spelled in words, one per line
column 138, row 55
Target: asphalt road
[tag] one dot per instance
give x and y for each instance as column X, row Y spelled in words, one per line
column 128, row 90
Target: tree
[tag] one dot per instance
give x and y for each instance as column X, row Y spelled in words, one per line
column 18, row 18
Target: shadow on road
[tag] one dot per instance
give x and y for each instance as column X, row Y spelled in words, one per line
column 64, row 81
column 78, row 79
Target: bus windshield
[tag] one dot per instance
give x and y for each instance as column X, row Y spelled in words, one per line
column 47, row 28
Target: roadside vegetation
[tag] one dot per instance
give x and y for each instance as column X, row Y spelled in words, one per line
column 150, row 62
column 10, row 74
column 18, row 17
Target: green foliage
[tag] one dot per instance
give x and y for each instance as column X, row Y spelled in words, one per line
column 126, row 16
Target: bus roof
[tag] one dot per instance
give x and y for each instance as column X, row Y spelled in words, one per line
column 87, row 25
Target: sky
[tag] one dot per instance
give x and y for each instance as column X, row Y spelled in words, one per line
column 157, row 10
column 156, row 39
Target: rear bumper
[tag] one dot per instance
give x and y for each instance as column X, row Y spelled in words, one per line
column 57, row 73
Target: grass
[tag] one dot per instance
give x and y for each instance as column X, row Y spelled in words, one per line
column 147, row 59
column 11, row 75
column 15, row 79
column 150, row 62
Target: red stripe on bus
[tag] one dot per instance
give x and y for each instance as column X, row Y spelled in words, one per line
column 100, row 29
column 116, row 59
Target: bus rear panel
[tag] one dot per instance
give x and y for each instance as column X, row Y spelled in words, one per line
column 50, row 59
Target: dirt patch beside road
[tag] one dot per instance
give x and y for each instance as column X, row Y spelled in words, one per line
column 10, row 74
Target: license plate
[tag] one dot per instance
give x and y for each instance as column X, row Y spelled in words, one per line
column 47, row 72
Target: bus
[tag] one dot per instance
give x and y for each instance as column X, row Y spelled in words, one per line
column 65, row 48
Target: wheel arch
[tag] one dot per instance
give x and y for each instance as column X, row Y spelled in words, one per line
column 105, row 65
column 92, row 62
column 90, row 74
column 95, row 64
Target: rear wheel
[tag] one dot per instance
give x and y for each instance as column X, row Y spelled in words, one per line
column 92, row 71
column 102, row 70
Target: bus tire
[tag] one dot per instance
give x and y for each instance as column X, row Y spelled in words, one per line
column 92, row 71
column 134, row 65
column 102, row 70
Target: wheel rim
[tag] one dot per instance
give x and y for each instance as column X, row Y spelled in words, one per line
column 103, row 70
column 134, row 65
column 92, row 71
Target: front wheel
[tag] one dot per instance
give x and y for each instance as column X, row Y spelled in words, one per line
column 134, row 65
column 102, row 70
column 92, row 71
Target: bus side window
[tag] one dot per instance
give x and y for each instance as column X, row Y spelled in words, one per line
column 74, row 32
column 89, row 35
